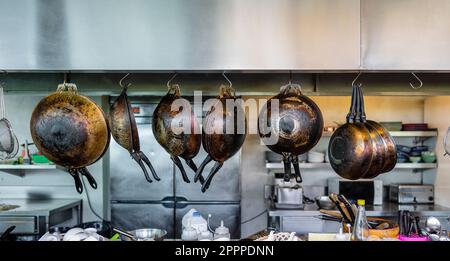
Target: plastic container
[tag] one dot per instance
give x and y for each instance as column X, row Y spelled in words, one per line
column 189, row 233
column 360, row 227
column 198, row 222
column 222, row 233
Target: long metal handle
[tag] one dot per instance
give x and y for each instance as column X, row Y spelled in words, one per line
column 124, row 233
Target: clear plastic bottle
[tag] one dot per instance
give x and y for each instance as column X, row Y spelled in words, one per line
column 360, row 227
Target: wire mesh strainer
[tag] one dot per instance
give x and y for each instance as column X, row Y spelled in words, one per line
column 9, row 145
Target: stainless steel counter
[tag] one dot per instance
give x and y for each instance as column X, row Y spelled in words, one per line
column 35, row 216
column 305, row 220
column 388, row 209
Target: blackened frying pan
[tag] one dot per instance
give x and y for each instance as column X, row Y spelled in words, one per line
column 71, row 130
column 125, row 133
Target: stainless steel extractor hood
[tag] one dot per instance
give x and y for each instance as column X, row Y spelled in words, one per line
column 149, row 35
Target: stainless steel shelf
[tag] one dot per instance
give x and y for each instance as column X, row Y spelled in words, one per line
column 401, row 134
column 280, row 166
column 26, row 167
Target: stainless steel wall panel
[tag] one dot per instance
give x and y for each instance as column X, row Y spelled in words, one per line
column 179, row 34
column 405, row 34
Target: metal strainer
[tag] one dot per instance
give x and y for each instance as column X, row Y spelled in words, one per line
column 9, row 145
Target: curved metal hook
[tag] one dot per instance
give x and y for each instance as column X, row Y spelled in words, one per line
column 418, row 79
column 226, row 78
column 356, row 78
column 4, row 74
column 171, row 79
column 121, row 81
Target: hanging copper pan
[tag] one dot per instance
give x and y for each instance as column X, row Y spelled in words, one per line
column 217, row 142
column 71, row 130
column 125, row 133
column 177, row 143
column 299, row 126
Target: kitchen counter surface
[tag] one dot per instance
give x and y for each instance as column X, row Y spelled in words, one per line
column 41, row 207
column 387, row 209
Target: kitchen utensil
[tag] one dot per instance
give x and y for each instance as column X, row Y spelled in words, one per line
column 392, row 125
column 324, row 202
column 176, row 129
column 298, row 126
column 391, row 232
column 415, row 159
column 428, row 156
column 71, row 130
column 341, row 207
column 124, row 130
column 403, row 148
column 447, row 142
column 432, row 225
column 316, row 157
column 6, row 233
column 217, row 142
column 8, row 140
column 144, row 234
column 361, row 148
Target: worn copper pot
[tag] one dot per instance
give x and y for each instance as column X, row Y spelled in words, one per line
column 71, row 130
column 224, row 131
column 125, row 132
column 176, row 129
column 361, row 148
column 298, row 126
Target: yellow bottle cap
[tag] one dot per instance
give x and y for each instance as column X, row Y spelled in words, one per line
column 361, row 202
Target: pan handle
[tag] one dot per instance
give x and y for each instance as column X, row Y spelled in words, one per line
column 178, row 163
column 85, row 172
column 200, row 169
column 213, row 172
column 76, row 178
column 298, row 175
column 138, row 159
column 149, row 164
column 287, row 168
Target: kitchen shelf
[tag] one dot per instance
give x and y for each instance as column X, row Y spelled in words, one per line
column 307, row 165
column 26, row 167
column 402, row 134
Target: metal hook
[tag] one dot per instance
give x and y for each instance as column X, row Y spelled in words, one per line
column 171, row 79
column 4, row 74
column 356, row 78
column 121, row 81
column 418, row 79
column 226, row 78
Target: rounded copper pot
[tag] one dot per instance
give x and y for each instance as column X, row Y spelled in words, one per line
column 170, row 118
column 71, row 130
column 223, row 134
column 298, row 126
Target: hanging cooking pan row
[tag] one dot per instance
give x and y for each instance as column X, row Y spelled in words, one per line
column 361, row 148
column 174, row 112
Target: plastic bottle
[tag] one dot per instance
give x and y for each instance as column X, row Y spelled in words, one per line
column 198, row 222
column 205, row 236
column 222, row 233
column 189, row 233
column 360, row 227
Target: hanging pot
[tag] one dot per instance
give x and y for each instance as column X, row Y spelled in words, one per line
column 177, row 142
column 217, row 142
column 71, row 130
column 125, row 133
column 298, row 126
column 361, row 148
